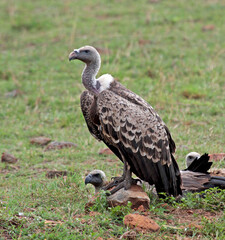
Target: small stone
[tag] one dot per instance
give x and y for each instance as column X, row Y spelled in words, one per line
column 105, row 151
column 59, row 145
column 136, row 195
column 8, row 158
column 40, row 141
column 54, row 174
column 209, row 27
column 140, row 223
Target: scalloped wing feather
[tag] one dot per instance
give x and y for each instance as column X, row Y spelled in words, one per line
column 133, row 126
column 142, row 140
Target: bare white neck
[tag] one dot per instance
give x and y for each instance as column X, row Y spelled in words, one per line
column 89, row 78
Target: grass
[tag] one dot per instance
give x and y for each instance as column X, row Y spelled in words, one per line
column 159, row 49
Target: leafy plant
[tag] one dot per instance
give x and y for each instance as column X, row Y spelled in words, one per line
column 117, row 213
column 210, row 199
column 100, row 203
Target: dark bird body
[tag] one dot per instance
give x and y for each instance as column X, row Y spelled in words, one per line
column 129, row 126
column 196, row 176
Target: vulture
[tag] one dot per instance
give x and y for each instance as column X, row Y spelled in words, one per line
column 129, row 126
column 97, row 178
column 197, row 163
column 194, row 179
column 196, row 176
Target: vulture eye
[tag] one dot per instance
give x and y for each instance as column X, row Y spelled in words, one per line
column 96, row 175
column 86, row 51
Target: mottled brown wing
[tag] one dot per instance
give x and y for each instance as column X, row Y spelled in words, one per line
column 141, row 139
column 122, row 91
column 86, row 101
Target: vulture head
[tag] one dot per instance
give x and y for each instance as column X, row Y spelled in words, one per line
column 190, row 157
column 86, row 54
column 97, row 178
column 90, row 56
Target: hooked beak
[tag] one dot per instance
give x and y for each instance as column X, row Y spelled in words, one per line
column 73, row 55
column 88, row 179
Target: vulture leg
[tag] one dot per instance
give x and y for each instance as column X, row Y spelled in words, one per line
column 128, row 178
column 116, row 180
column 124, row 181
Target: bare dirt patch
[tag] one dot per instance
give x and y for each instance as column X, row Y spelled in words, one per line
column 190, row 216
column 185, row 219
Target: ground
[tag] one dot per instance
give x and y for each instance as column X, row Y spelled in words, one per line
column 169, row 52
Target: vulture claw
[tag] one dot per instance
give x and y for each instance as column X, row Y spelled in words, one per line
column 118, row 187
column 118, row 183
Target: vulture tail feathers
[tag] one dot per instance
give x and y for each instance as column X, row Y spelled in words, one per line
column 171, row 180
column 177, row 184
column 201, row 164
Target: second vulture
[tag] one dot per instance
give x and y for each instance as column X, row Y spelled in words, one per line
column 129, row 126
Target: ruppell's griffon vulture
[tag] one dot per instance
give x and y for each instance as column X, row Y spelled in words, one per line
column 129, row 126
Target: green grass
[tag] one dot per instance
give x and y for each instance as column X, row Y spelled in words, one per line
column 157, row 49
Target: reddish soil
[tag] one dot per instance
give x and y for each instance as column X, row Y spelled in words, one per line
column 140, row 223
